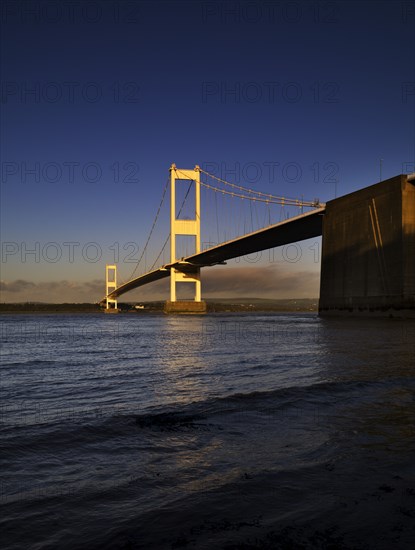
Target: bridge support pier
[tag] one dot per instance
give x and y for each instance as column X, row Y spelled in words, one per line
column 185, row 307
column 190, row 227
column 368, row 252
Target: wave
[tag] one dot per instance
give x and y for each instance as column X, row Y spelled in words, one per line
column 28, row 363
column 100, row 425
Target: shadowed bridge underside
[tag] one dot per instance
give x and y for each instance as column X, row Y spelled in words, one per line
column 299, row 228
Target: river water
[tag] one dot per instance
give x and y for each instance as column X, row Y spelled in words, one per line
column 221, row 431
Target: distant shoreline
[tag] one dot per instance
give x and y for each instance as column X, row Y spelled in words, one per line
column 224, row 306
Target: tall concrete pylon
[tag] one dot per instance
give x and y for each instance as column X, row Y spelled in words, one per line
column 186, row 273
column 110, row 286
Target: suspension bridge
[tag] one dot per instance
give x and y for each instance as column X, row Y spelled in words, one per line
column 366, row 235
column 186, row 222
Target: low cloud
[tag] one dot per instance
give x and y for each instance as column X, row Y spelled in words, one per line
column 260, row 282
column 52, row 291
column 16, row 286
column 271, row 281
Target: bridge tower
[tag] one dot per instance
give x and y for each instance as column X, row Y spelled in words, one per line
column 110, row 286
column 186, row 273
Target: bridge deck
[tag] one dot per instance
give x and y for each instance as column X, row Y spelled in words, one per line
column 299, row 228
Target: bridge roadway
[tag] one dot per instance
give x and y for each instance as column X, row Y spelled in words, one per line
column 298, row 228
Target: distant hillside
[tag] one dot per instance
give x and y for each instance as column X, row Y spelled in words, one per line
column 261, row 304
column 216, row 305
column 39, row 307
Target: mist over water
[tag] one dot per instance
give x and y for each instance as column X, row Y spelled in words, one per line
column 219, row 431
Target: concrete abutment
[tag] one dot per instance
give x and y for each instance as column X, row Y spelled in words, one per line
column 368, row 251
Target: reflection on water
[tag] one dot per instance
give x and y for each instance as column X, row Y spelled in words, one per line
column 166, row 432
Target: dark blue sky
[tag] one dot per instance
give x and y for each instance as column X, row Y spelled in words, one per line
column 99, row 98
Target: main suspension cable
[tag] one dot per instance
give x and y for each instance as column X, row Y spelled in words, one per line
column 273, row 200
column 252, row 191
column 152, row 229
column 169, row 235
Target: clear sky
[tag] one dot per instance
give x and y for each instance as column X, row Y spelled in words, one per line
column 99, row 98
